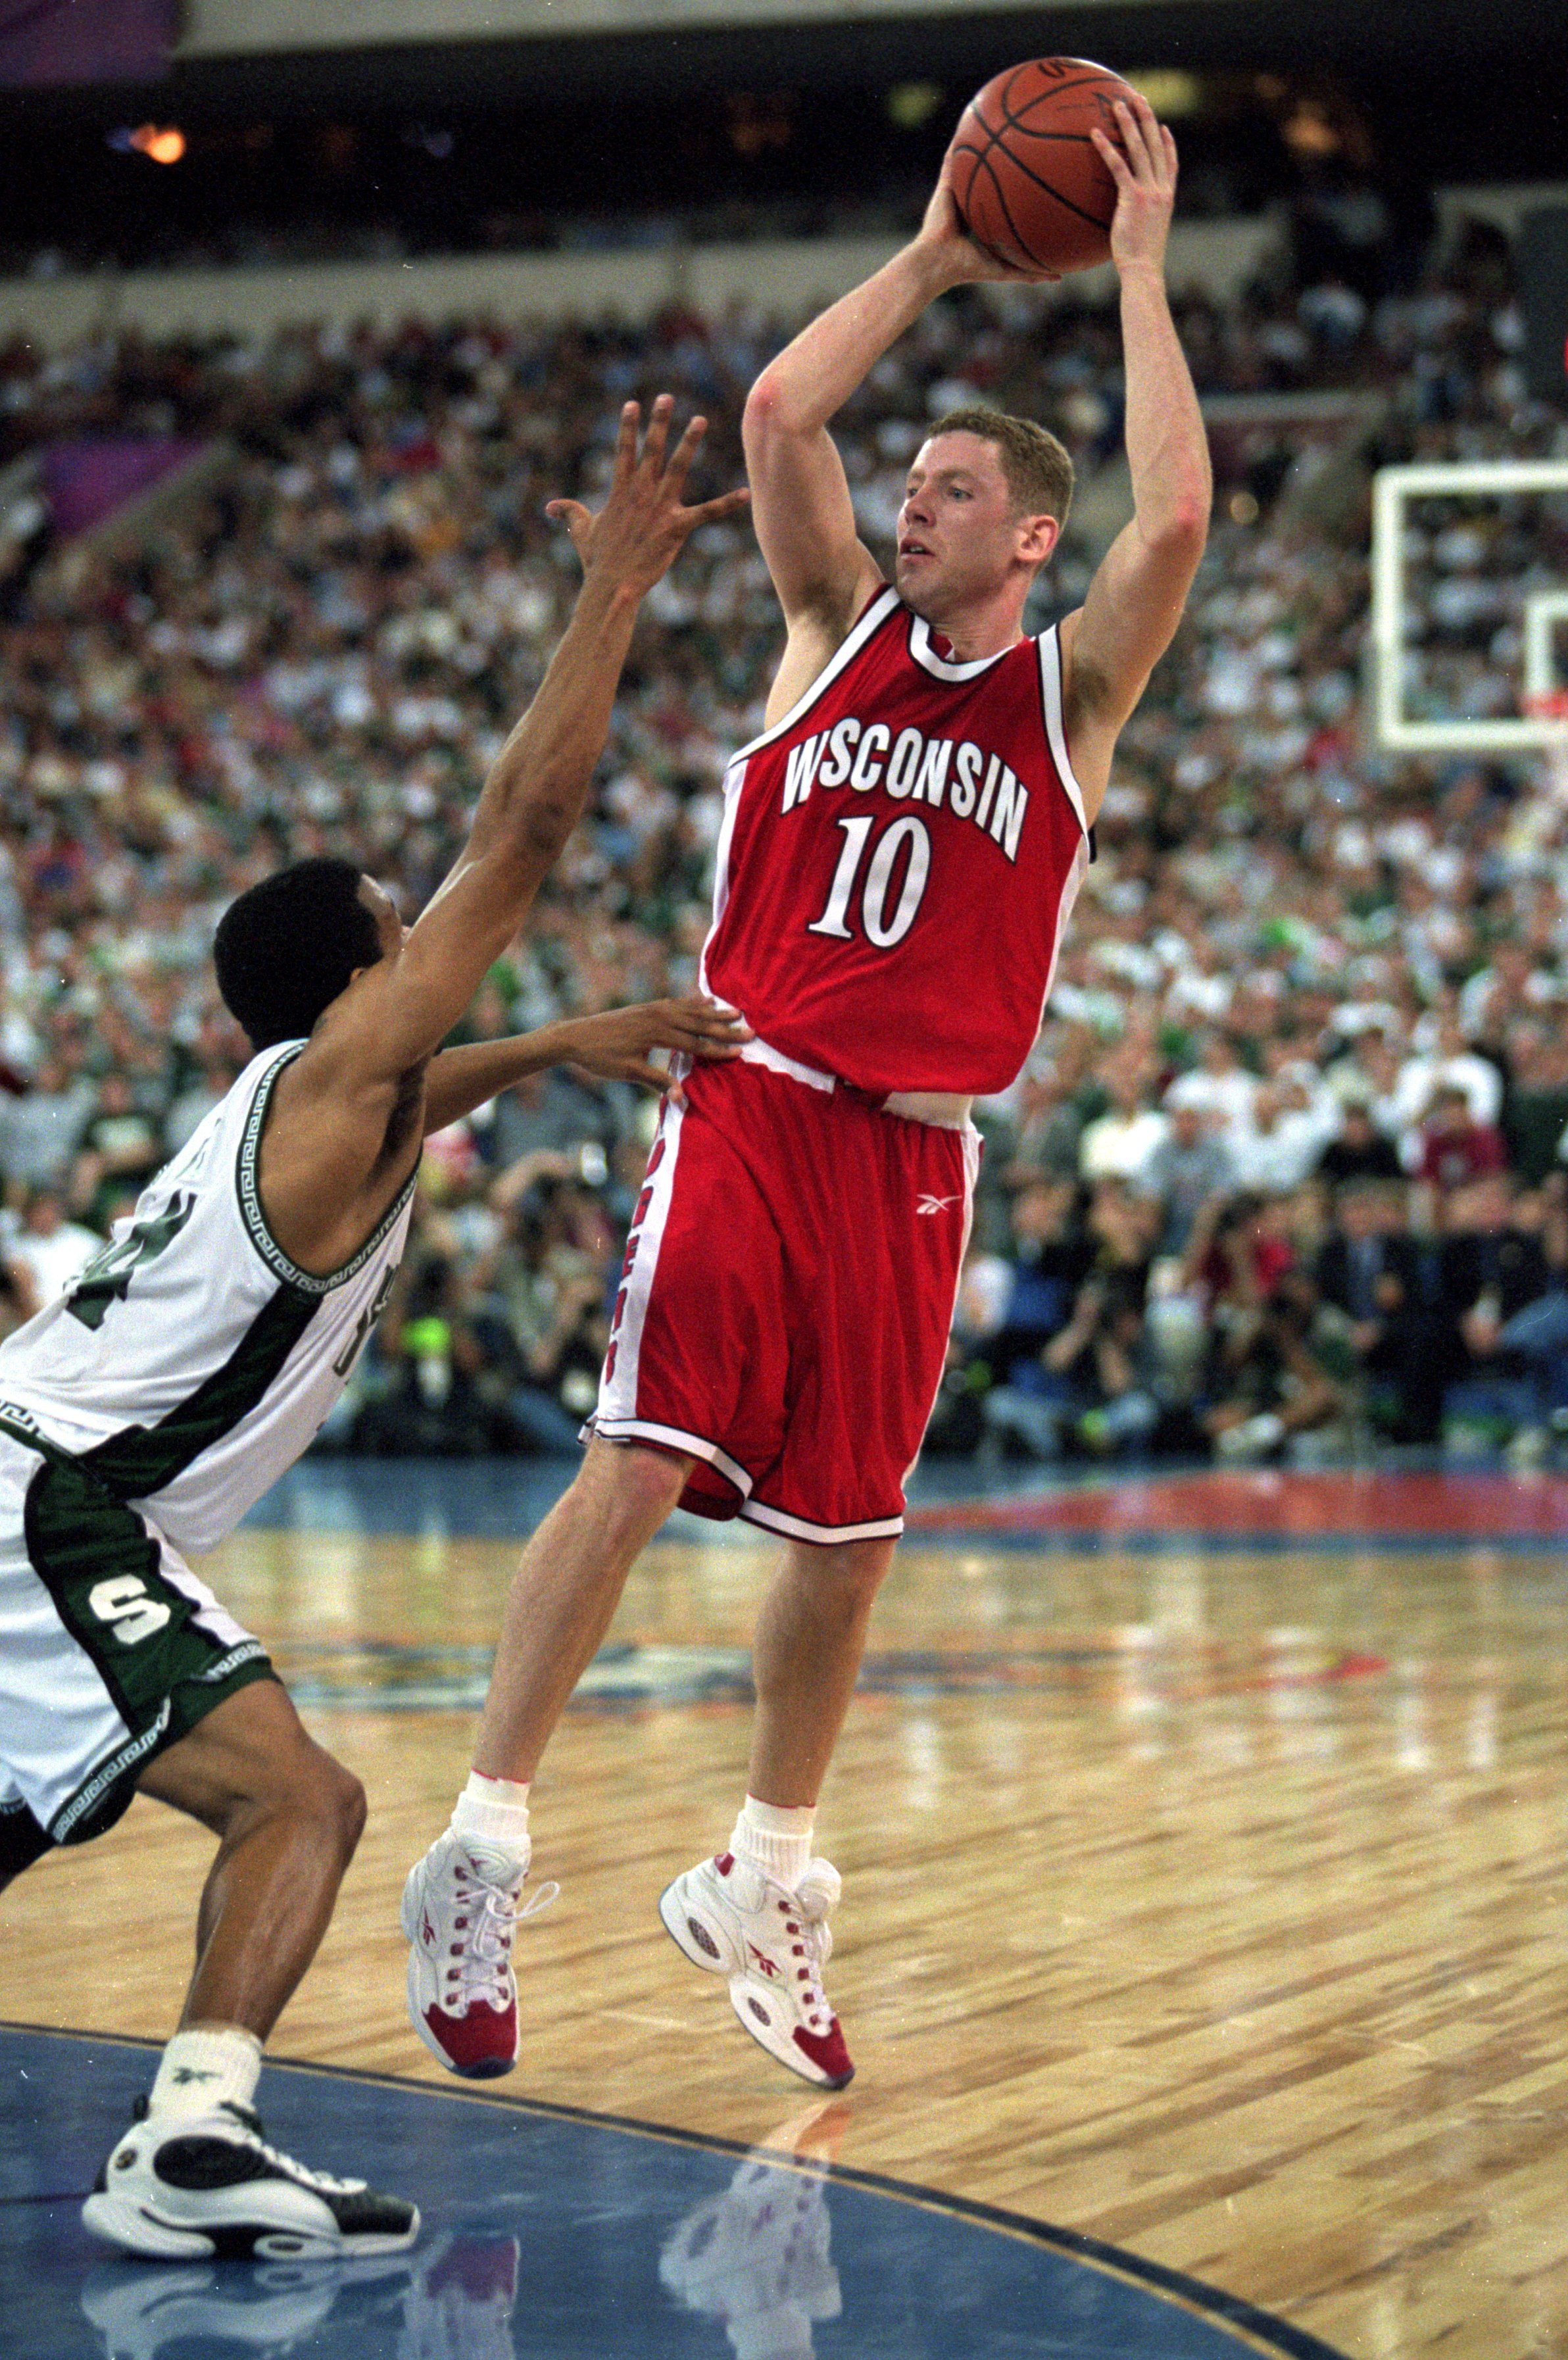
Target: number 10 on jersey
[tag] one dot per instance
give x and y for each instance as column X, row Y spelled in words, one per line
column 881, row 930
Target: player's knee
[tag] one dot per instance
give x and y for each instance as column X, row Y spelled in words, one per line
column 304, row 1782
column 350, row 1808
column 855, row 1568
column 322, row 1790
column 642, row 1484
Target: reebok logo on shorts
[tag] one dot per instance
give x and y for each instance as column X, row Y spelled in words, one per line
column 934, row 1204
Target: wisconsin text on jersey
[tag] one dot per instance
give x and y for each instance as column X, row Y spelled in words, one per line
column 914, row 767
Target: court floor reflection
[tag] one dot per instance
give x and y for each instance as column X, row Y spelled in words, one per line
column 453, row 2301
column 550, row 2234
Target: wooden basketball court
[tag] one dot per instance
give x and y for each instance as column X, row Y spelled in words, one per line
column 1204, row 1857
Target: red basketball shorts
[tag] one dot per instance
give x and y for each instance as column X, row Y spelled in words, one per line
column 786, row 1298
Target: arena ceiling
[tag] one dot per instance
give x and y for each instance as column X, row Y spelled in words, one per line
column 345, row 53
column 237, row 27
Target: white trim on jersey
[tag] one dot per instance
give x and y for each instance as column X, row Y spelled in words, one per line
column 618, row 1391
column 881, row 606
column 943, row 1109
column 734, row 780
column 643, row 1429
column 759, row 1052
column 1056, row 731
column 972, row 1145
column 939, row 667
column 796, row 1528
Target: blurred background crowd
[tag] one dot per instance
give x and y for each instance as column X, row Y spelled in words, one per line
column 1286, row 1172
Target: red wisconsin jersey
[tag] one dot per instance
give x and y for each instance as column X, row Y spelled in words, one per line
column 898, row 860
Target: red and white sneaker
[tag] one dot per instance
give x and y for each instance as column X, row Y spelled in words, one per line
column 460, row 1907
column 730, row 1919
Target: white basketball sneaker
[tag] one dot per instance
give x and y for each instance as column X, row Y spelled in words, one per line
column 730, row 1919
column 460, row 1908
column 185, row 2187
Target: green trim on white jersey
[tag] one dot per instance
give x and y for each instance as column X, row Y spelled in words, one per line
column 248, row 1179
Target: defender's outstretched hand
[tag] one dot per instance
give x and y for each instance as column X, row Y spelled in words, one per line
column 617, row 1046
column 636, row 536
column 1144, row 170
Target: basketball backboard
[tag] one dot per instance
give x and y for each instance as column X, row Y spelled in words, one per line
column 1540, row 610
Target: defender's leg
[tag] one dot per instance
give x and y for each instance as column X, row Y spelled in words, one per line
column 194, row 2176
column 287, row 1817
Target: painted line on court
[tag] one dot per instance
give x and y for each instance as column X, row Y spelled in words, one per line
column 1259, row 2329
column 355, row 1676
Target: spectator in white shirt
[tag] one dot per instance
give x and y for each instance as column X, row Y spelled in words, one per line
column 1120, row 1144
column 41, row 1133
column 1284, row 1140
column 46, row 1251
column 1220, row 1085
column 1450, row 1065
column 1370, row 1077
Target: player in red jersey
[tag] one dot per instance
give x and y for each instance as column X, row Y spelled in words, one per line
column 899, row 854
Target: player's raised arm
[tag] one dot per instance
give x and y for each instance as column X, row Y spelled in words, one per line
column 351, row 1105
column 534, row 795
column 805, row 521
column 400, row 1010
column 1135, row 599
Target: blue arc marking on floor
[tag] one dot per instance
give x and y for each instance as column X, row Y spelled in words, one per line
column 552, row 2235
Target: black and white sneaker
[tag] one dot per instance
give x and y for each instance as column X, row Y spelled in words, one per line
column 188, row 2186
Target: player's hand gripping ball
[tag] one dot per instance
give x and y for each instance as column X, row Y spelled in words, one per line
column 1029, row 183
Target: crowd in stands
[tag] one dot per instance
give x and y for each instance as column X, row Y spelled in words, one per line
column 1286, row 1172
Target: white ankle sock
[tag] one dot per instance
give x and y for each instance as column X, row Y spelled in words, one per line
column 494, row 1811
column 202, row 2069
column 776, row 1840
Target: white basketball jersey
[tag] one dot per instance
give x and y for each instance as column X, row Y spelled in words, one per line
column 192, row 1362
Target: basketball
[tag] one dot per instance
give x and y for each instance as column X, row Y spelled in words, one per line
column 1029, row 183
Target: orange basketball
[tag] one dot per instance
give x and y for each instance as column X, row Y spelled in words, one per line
column 1029, row 183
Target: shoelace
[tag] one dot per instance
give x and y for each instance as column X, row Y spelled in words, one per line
column 806, row 1917
column 484, row 1954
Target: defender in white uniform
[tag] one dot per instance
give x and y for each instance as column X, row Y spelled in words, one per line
column 187, row 1367
column 196, row 1357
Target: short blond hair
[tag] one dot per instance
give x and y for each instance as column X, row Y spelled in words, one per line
column 1038, row 469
